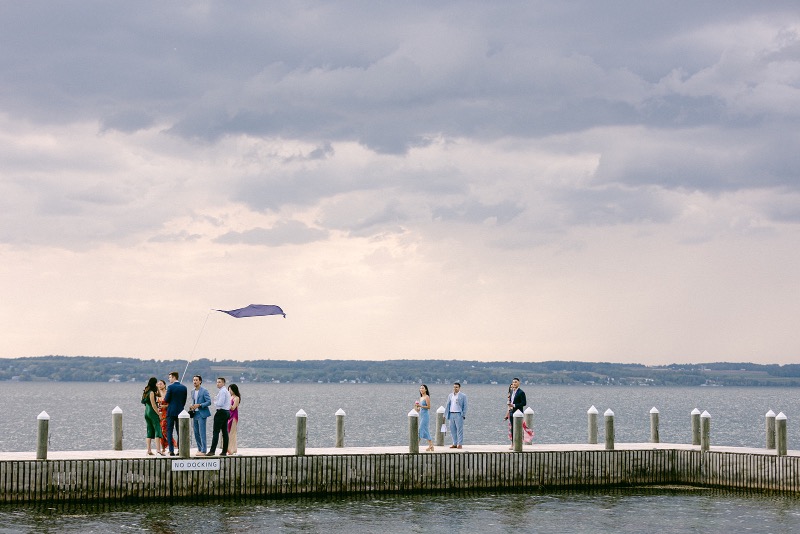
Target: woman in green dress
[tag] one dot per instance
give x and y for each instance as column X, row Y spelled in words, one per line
column 151, row 413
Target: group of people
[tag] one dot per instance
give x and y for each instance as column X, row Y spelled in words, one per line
column 455, row 413
column 163, row 405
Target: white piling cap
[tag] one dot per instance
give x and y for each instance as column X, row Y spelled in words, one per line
column 301, row 413
column 43, row 416
column 440, row 409
column 780, row 416
column 592, row 410
column 340, row 412
column 653, row 410
column 770, row 414
column 695, row 412
column 705, row 414
column 609, row 413
column 116, row 410
column 413, row 413
column 529, row 410
column 519, row 413
column 183, row 415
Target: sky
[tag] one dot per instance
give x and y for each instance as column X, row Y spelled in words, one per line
column 511, row 181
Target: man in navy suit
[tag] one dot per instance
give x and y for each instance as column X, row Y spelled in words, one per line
column 516, row 401
column 201, row 400
column 176, row 400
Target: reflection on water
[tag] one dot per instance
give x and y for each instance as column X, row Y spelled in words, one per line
column 635, row 510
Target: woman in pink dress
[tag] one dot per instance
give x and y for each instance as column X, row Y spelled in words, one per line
column 233, row 420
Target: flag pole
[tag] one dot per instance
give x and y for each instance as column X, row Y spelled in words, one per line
column 195, row 346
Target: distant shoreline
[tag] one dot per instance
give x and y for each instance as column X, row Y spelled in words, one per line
column 92, row 369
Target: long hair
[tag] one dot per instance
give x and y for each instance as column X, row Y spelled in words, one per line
column 428, row 393
column 235, row 390
column 151, row 386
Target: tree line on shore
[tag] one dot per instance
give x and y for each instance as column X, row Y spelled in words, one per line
column 110, row 369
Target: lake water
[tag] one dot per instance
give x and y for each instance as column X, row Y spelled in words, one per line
column 377, row 415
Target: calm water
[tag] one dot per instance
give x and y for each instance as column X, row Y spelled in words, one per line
column 575, row 512
column 377, row 415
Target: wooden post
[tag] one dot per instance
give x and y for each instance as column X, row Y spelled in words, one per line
column 654, row 437
column 780, row 430
column 518, row 433
column 592, row 413
column 705, row 424
column 184, row 435
column 300, row 439
column 770, row 424
column 439, row 423
column 695, row 427
column 116, row 428
column 42, row 435
column 609, row 415
column 340, row 428
column 413, row 432
column 529, row 420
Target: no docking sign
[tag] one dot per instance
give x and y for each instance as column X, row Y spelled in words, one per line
column 195, row 465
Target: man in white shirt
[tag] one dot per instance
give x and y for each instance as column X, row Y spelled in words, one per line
column 456, row 412
column 222, row 403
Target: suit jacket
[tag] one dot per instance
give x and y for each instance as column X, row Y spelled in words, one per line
column 204, row 400
column 175, row 399
column 519, row 402
column 459, row 399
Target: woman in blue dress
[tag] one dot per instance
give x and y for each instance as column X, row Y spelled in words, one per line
column 423, row 406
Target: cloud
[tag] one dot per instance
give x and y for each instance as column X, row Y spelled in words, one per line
column 284, row 233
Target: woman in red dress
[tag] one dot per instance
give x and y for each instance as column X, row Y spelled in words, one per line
column 162, row 413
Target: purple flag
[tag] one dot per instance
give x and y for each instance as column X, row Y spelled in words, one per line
column 255, row 310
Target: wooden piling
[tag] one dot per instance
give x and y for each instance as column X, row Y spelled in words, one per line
column 780, row 433
column 413, row 432
column 300, row 437
column 770, row 429
column 529, row 420
column 340, row 415
column 518, row 433
column 185, row 435
column 439, row 423
column 705, row 425
column 116, row 428
column 592, row 416
column 42, row 435
column 609, row 416
column 654, row 436
column 695, row 426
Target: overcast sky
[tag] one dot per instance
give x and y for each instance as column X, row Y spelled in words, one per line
column 598, row 181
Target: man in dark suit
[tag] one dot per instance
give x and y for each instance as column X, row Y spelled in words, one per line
column 176, row 400
column 516, row 401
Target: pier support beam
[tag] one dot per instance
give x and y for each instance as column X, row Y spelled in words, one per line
column 413, row 432
column 518, row 433
column 654, row 436
column 770, row 428
column 439, row 423
column 185, row 435
column 705, row 425
column 609, row 415
column 300, row 439
column 340, row 428
column 116, row 428
column 42, row 435
column 780, row 431
column 695, row 427
column 592, row 414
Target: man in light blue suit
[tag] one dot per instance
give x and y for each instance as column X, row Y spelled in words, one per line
column 455, row 412
column 201, row 400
